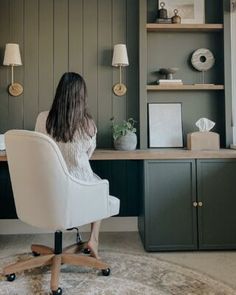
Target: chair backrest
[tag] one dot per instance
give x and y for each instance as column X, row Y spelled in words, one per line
column 39, row 177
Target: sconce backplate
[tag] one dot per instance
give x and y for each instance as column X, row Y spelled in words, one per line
column 15, row 89
column 119, row 89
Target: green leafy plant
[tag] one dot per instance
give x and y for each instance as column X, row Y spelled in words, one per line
column 121, row 129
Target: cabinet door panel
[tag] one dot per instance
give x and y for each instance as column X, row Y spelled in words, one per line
column 170, row 221
column 124, row 179
column 217, row 192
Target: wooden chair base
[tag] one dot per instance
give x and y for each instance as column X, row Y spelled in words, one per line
column 47, row 257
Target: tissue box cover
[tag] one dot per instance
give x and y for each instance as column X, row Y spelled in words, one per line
column 203, row 141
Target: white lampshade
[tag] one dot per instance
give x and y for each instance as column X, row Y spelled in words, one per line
column 120, row 57
column 12, row 55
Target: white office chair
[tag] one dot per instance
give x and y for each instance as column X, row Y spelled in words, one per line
column 47, row 196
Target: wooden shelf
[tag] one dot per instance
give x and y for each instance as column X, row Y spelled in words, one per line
column 185, row 87
column 152, row 27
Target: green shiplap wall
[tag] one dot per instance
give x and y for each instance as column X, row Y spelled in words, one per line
column 69, row 35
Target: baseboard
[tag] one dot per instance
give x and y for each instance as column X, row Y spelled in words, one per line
column 113, row 224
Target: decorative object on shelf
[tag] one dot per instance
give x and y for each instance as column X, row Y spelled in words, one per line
column 191, row 11
column 162, row 15
column 202, row 60
column 162, row 12
column 168, row 72
column 204, row 139
column 173, row 82
column 169, row 81
column 124, row 135
column 176, row 19
column 165, row 125
column 233, row 5
column 120, row 59
column 12, row 58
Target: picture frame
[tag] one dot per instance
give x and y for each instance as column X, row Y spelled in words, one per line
column 165, row 125
column 190, row 11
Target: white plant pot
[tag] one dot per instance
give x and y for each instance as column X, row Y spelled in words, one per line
column 127, row 142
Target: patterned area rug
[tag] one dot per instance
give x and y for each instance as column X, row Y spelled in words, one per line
column 131, row 275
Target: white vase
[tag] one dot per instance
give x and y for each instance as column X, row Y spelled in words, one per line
column 127, row 142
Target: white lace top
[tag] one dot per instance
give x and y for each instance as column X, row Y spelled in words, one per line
column 75, row 153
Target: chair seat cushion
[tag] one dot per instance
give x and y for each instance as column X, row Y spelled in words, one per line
column 114, row 205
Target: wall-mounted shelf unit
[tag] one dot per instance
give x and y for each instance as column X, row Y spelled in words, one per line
column 185, row 87
column 172, row 45
column 184, row 27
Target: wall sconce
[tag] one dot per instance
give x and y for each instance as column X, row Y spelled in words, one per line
column 12, row 58
column 120, row 59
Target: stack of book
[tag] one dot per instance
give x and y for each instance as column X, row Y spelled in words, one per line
column 163, row 21
column 170, row 82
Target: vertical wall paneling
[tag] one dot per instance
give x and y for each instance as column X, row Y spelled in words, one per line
column 132, row 70
column 233, row 67
column 45, row 60
column 60, row 39
column 133, row 185
column 104, row 72
column 30, row 63
column 119, row 183
column 228, row 72
column 16, row 113
column 143, row 73
column 4, row 71
column 90, row 53
column 119, row 36
column 76, row 36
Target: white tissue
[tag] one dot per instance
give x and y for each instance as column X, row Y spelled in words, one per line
column 205, row 124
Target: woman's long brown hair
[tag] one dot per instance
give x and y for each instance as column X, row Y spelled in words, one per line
column 69, row 113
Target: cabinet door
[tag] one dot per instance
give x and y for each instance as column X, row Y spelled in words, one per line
column 217, row 215
column 170, row 217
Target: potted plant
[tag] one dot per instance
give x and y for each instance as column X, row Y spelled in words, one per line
column 124, row 135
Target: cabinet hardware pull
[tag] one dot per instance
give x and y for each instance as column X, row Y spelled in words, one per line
column 194, row 204
column 200, row 204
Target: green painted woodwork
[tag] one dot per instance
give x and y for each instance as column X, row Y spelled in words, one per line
column 45, row 41
column 124, row 178
column 167, row 218
column 75, row 35
column 174, row 49
column 143, row 74
column 217, row 191
column 168, row 221
column 8, row 210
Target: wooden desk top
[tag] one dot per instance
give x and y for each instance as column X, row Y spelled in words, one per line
column 155, row 154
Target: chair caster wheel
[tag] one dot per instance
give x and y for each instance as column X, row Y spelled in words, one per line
column 106, row 272
column 11, row 277
column 35, row 254
column 57, row 292
column 87, row 251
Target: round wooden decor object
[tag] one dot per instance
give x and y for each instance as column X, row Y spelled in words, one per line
column 15, row 89
column 119, row 89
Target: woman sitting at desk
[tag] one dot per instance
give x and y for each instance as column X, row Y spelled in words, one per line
column 73, row 129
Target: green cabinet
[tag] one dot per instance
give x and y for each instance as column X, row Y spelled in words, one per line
column 167, row 218
column 188, row 205
column 216, row 186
